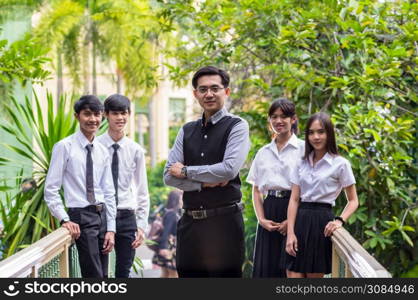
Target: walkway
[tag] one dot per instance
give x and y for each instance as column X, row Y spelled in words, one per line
column 150, row 270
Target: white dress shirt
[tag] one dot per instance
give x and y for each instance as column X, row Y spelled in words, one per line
column 132, row 179
column 67, row 169
column 323, row 182
column 271, row 168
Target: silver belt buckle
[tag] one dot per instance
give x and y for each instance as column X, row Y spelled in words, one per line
column 198, row 214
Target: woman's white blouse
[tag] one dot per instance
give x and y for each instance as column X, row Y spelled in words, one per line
column 271, row 168
column 323, row 182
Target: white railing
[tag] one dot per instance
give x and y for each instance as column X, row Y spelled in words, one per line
column 26, row 263
column 348, row 255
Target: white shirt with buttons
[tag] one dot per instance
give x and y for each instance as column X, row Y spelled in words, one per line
column 132, row 179
column 67, row 169
column 271, row 168
column 323, row 181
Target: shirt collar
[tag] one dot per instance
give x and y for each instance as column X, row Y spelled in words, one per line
column 108, row 141
column 83, row 140
column 327, row 158
column 293, row 141
column 216, row 117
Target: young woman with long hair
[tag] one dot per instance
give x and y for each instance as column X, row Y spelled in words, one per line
column 316, row 184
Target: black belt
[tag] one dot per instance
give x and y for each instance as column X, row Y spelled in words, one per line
column 279, row 194
column 124, row 212
column 93, row 208
column 206, row 213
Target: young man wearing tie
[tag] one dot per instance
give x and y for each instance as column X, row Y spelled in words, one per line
column 81, row 165
column 130, row 182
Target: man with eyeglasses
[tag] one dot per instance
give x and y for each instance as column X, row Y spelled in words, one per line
column 205, row 162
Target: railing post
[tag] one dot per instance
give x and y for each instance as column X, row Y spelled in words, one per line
column 64, row 260
column 34, row 272
column 335, row 263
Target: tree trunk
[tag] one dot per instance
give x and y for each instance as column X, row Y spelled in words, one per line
column 94, row 70
column 140, row 134
column 118, row 81
column 86, row 77
column 151, row 132
column 60, row 81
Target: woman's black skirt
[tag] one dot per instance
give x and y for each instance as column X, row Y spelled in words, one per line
column 270, row 247
column 314, row 249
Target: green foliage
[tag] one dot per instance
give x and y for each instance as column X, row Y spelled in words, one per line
column 158, row 191
column 22, row 61
column 356, row 60
column 123, row 32
column 36, row 129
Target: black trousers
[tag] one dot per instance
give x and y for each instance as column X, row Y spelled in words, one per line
column 125, row 234
column 211, row 247
column 93, row 263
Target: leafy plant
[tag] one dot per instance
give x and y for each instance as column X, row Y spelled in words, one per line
column 36, row 130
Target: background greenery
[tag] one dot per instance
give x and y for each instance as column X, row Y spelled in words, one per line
column 356, row 60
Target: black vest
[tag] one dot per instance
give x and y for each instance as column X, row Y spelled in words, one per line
column 205, row 145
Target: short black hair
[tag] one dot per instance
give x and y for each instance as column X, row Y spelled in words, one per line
column 210, row 70
column 288, row 108
column 326, row 122
column 117, row 102
column 88, row 102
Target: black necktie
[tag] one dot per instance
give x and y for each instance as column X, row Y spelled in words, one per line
column 115, row 169
column 89, row 175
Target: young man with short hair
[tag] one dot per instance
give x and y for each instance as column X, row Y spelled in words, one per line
column 80, row 164
column 130, row 182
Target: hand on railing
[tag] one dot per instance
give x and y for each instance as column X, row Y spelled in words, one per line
column 73, row 228
column 331, row 227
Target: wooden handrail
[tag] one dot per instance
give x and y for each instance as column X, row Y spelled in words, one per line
column 27, row 262
column 358, row 262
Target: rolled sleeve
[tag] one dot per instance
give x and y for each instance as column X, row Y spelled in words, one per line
column 176, row 155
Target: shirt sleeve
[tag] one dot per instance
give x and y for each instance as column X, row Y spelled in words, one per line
column 106, row 183
column 253, row 173
column 236, row 152
column 346, row 175
column 142, row 195
column 176, row 155
column 53, row 181
column 294, row 175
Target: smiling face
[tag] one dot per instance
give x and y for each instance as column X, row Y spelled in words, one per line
column 211, row 94
column 117, row 119
column 280, row 123
column 89, row 121
column 317, row 136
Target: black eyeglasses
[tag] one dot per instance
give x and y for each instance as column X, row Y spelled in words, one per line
column 214, row 89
